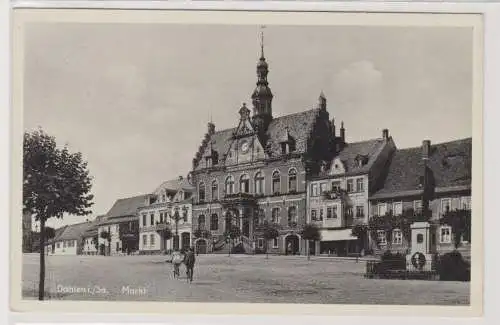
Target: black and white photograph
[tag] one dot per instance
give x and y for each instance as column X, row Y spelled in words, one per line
column 254, row 158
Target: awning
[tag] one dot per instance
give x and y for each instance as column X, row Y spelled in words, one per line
column 337, row 234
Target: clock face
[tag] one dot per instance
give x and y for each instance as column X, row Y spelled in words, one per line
column 244, row 146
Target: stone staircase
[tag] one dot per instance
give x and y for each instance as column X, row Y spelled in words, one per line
column 238, row 245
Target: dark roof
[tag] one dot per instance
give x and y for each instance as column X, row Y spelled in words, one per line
column 126, row 207
column 57, row 233
column 449, row 162
column 298, row 126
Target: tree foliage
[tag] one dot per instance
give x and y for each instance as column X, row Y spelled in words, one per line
column 311, row 232
column 389, row 222
column 460, row 223
column 50, row 233
column 55, row 181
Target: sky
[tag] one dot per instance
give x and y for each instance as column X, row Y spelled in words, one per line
column 135, row 99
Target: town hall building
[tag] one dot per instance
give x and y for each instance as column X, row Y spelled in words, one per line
column 258, row 171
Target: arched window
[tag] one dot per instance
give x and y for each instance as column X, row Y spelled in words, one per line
column 214, row 222
column 292, row 216
column 201, row 221
column 244, row 183
column 292, row 180
column 201, row 192
column 276, row 182
column 259, row 183
column 215, row 190
column 229, row 185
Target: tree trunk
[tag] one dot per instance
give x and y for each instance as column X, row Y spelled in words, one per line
column 41, row 282
column 308, row 250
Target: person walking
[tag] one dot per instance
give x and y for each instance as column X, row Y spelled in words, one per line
column 189, row 260
column 177, row 260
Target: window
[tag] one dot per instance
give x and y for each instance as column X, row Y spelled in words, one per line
column 275, row 242
column 417, row 206
column 314, row 215
column 359, row 185
column 334, row 210
column 276, row 182
column 445, row 235
column 335, row 186
column 292, row 215
column 163, row 197
column 58, row 245
column 152, row 219
column 259, row 183
column 214, row 222
column 215, row 190
column 397, row 208
column 350, row 186
column 201, row 221
column 144, row 222
column 466, row 204
column 314, row 190
column 260, row 243
column 322, row 188
column 321, row 211
column 261, row 216
column 397, row 237
column 292, row 180
column 144, row 240
column 360, row 211
column 229, row 185
column 185, row 214
column 117, row 246
column 244, row 183
column 445, row 205
column 382, row 240
column 275, row 217
column 152, row 239
column 329, row 212
column 382, row 209
column 201, row 192
column 161, row 217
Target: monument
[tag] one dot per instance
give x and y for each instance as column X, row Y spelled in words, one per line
column 421, row 255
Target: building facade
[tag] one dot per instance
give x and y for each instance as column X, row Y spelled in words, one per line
column 257, row 172
column 443, row 171
column 165, row 219
column 338, row 197
column 118, row 231
column 68, row 240
column 91, row 239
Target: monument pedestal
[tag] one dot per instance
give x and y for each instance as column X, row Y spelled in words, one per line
column 420, row 256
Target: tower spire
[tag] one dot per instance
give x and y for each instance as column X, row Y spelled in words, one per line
column 262, row 41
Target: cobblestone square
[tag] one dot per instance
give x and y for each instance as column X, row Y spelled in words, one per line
column 219, row 278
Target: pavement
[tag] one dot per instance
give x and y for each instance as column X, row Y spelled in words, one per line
column 238, row 278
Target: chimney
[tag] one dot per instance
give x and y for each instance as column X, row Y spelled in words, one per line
column 211, row 128
column 342, row 132
column 332, row 123
column 426, row 149
column 385, row 134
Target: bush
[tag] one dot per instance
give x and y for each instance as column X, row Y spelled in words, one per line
column 452, row 267
column 391, row 261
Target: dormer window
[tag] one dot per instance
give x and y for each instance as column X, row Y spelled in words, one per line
column 361, row 160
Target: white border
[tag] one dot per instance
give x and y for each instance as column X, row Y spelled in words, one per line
column 491, row 112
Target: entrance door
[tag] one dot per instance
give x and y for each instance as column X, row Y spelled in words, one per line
column 186, row 240
column 246, row 227
column 201, row 246
column 292, row 245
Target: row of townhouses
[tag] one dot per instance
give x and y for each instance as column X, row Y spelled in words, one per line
column 289, row 170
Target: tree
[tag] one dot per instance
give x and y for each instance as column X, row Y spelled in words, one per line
column 270, row 231
column 231, row 234
column 389, row 222
column 460, row 223
column 55, row 182
column 361, row 232
column 310, row 232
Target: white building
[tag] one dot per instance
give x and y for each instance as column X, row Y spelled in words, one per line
column 68, row 240
column 168, row 207
column 91, row 239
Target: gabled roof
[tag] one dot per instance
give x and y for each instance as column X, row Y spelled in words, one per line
column 57, row 233
column 126, row 207
column 174, row 185
column 94, row 224
column 449, row 162
column 71, row 232
column 368, row 149
column 299, row 126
